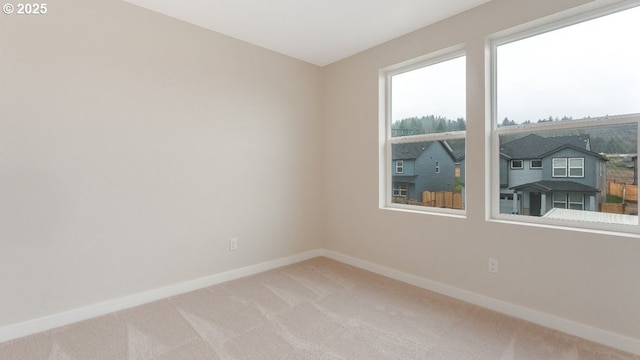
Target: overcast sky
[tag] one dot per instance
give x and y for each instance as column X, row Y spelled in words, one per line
column 432, row 90
column 589, row 69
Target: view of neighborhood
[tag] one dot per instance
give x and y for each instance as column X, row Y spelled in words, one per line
column 589, row 169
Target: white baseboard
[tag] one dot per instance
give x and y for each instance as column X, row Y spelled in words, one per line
column 604, row 337
column 35, row 326
column 550, row 321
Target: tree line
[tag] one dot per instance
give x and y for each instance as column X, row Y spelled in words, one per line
column 613, row 139
column 507, row 122
column 426, row 125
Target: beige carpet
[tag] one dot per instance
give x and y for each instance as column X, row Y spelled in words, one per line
column 317, row 309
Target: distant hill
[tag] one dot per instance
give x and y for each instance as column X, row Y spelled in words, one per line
column 426, row 125
column 611, row 139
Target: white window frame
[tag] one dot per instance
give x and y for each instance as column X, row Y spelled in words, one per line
column 535, row 167
column 386, row 140
column 560, row 167
column 581, row 202
column 399, row 166
column 567, row 167
column 400, row 190
column 560, row 198
column 581, row 167
column 513, row 167
column 493, row 143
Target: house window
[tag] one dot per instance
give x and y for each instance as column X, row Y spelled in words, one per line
column 573, row 113
column 576, row 167
column 573, row 201
column 576, row 201
column 535, row 164
column 560, row 200
column 559, row 167
column 423, row 123
column 516, row 164
column 399, row 166
column 400, row 190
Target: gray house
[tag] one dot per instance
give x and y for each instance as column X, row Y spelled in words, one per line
column 423, row 166
column 539, row 173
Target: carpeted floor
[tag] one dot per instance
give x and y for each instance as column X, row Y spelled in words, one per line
column 317, row 309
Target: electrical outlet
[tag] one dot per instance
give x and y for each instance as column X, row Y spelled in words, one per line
column 233, row 244
column 493, row 266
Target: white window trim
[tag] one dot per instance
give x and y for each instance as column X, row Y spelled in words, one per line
column 567, row 167
column 400, row 165
column 517, row 167
column 560, row 198
column 569, row 202
column 493, row 144
column 563, row 167
column 581, row 167
column 386, row 141
column 535, row 167
column 401, row 188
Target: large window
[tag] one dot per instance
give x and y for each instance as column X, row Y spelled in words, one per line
column 423, row 128
column 567, row 98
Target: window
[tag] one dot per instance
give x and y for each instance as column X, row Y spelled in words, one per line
column 576, row 167
column 560, row 167
column 574, row 111
column 399, row 166
column 576, row 201
column 560, row 200
column 516, row 164
column 423, row 133
column 535, row 164
column 400, row 190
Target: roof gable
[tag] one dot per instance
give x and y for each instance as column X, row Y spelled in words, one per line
column 556, row 185
column 596, row 155
column 535, row 146
column 411, row 151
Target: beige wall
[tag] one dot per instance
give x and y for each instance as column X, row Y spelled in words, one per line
column 133, row 146
column 585, row 277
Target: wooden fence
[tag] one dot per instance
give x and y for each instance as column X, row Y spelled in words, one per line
column 612, row 208
column 622, row 190
column 443, row 199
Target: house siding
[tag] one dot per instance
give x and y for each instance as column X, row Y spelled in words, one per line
column 504, row 173
column 408, row 168
column 428, row 179
column 591, row 172
column 524, row 175
column 423, row 167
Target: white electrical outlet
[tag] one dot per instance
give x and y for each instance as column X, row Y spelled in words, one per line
column 493, row 265
column 233, row 244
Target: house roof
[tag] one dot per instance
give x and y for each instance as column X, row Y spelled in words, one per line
column 569, row 146
column 457, row 148
column 411, row 151
column 534, row 146
column 411, row 179
column 556, row 186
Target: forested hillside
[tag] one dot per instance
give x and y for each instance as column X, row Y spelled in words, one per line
column 613, row 139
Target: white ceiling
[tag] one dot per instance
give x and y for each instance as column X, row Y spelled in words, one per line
column 316, row 31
